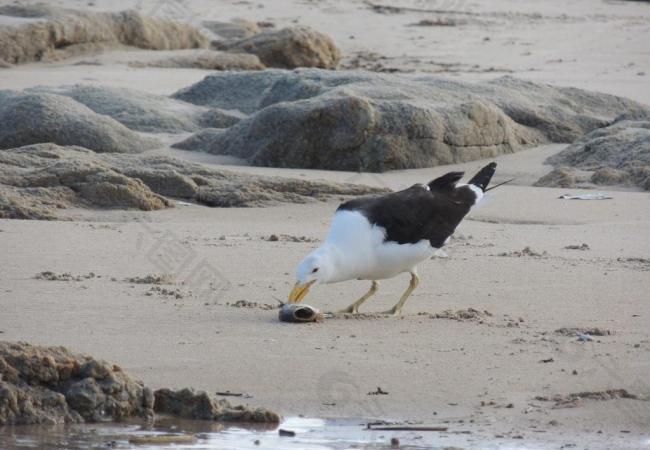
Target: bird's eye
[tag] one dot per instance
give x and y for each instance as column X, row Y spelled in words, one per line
column 315, row 270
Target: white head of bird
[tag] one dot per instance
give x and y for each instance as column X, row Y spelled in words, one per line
column 319, row 267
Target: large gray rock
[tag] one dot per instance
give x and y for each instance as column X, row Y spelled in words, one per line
column 30, row 118
column 618, row 154
column 142, row 111
column 289, row 48
column 374, row 122
column 63, row 32
column 52, row 385
column 41, row 181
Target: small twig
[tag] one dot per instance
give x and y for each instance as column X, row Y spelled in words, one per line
column 230, row 394
column 406, row 428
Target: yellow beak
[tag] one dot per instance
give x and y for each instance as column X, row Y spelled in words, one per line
column 300, row 291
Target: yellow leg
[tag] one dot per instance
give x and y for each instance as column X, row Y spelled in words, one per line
column 354, row 307
column 397, row 309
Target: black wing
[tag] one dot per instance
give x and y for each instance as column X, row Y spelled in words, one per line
column 420, row 212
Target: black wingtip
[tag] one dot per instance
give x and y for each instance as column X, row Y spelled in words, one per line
column 483, row 177
column 447, row 181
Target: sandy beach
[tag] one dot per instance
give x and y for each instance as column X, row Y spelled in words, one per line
column 537, row 298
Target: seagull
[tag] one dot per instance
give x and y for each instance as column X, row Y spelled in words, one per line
column 376, row 238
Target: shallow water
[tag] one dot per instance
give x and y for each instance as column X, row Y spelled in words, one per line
column 310, row 434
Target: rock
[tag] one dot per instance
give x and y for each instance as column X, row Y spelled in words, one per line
column 633, row 116
column 164, row 182
column 643, row 175
column 200, row 140
column 289, row 48
column 608, row 176
column 263, row 191
column 619, row 153
column 142, row 111
column 188, row 404
column 563, row 177
column 208, row 60
column 64, row 32
column 243, row 91
column 236, row 29
column 348, row 120
column 86, row 395
column 42, row 180
column 52, row 385
column 38, row 10
column 37, row 180
column 30, row 118
column 616, row 145
column 217, row 118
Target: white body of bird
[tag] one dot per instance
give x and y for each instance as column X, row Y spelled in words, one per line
column 362, row 253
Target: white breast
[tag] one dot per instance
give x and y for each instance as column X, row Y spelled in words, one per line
column 365, row 254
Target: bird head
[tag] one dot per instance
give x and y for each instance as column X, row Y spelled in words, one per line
column 314, row 269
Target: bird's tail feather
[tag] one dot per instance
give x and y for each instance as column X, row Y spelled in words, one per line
column 483, row 177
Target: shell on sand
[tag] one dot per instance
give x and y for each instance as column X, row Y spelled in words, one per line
column 292, row 312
